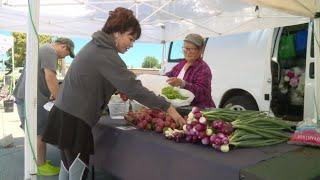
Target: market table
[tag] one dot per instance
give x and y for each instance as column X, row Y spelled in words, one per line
column 299, row 164
column 138, row 155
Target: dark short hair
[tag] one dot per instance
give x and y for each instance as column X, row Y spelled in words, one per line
column 122, row 20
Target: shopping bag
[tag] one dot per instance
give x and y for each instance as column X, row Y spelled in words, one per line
column 286, row 47
column 181, row 102
column 153, row 82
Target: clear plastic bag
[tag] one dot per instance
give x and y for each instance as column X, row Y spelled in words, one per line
column 117, row 107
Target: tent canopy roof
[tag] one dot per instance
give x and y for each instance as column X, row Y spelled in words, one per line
column 161, row 20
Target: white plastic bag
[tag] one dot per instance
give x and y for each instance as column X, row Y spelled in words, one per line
column 156, row 83
column 181, row 102
column 153, row 82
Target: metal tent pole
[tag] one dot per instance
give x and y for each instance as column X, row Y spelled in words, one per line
column 31, row 91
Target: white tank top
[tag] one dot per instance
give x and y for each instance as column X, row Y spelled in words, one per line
column 182, row 72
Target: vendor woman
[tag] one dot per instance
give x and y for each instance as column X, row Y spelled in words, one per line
column 192, row 73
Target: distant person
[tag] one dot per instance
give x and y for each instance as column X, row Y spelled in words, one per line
column 96, row 73
column 192, row 73
column 47, row 90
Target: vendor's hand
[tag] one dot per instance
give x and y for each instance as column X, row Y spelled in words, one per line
column 174, row 81
column 176, row 116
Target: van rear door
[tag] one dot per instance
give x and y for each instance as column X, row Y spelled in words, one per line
column 309, row 91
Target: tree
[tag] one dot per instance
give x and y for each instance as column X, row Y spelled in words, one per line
column 150, row 62
column 20, row 47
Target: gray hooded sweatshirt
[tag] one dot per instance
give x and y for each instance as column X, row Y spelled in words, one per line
column 94, row 76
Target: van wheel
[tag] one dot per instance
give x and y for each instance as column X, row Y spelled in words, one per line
column 240, row 103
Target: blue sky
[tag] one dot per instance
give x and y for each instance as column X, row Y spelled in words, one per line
column 3, row 56
column 133, row 58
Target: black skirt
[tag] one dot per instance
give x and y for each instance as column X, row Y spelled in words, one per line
column 68, row 132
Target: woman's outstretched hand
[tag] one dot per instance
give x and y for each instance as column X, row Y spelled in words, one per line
column 176, row 116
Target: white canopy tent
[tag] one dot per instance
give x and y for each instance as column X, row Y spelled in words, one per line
column 161, row 20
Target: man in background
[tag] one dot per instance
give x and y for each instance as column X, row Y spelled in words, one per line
column 47, row 90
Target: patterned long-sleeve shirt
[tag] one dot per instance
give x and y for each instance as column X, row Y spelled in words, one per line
column 197, row 80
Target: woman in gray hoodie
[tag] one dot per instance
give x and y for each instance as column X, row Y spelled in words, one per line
column 96, row 73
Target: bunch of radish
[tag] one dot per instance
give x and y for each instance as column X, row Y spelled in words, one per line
column 218, row 128
column 220, row 140
column 248, row 128
column 150, row 119
column 174, row 134
column 213, row 133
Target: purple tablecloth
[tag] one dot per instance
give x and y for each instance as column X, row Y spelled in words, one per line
column 141, row 155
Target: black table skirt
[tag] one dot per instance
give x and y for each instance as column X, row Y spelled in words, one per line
column 140, row 155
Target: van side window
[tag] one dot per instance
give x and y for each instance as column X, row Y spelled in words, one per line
column 175, row 52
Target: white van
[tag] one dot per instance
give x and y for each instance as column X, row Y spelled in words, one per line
column 249, row 71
